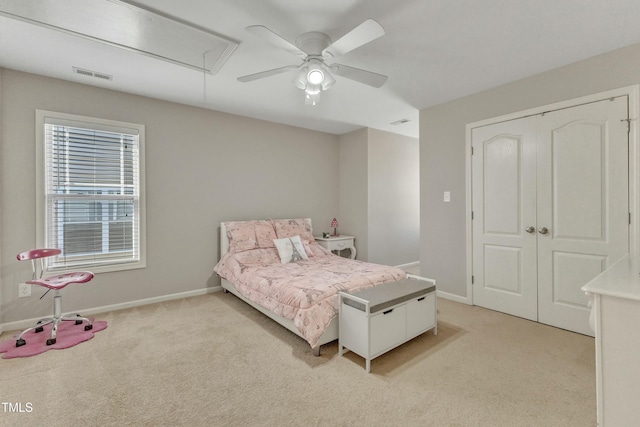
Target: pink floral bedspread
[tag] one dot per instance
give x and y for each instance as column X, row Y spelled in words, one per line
column 305, row 292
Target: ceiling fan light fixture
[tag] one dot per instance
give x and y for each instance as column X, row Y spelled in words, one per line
column 317, row 79
column 313, row 89
column 300, row 80
column 328, row 81
column 311, row 98
column 315, row 76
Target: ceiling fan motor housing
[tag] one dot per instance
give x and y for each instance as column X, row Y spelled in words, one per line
column 313, row 43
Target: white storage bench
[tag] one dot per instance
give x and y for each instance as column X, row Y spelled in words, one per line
column 376, row 320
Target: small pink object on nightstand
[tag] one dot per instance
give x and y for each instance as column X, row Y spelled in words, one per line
column 334, row 225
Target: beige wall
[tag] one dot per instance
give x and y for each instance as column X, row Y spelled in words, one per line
column 353, row 183
column 202, row 167
column 394, row 198
column 442, row 150
column 379, row 195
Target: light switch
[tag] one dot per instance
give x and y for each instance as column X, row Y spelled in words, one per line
column 447, row 196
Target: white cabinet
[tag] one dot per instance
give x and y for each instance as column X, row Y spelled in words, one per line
column 378, row 319
column 615, row 319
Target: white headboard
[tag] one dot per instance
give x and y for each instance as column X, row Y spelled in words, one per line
column 224, row 239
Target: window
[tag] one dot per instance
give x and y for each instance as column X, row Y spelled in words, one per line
column 90, row 192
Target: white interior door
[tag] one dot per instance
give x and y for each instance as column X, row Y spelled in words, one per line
column 583, row 204
column 550, row 210
column 504, row 206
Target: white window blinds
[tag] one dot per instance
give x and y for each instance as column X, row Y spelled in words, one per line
column 92, row 194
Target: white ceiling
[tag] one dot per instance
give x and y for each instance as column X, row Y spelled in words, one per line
column 433, row 51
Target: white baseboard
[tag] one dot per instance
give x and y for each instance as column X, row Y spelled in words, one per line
column 408, row 265
column 453, row 297
column 27, row 323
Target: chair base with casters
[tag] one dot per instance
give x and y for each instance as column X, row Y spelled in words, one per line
column 55, row 283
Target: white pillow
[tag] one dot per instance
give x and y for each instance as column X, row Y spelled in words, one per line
column 285, row 248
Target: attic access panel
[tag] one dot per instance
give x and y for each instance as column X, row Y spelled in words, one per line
column 129, row 27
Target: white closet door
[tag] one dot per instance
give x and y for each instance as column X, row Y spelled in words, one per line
column 551, row 210
column 504, row 206
column 582, row 190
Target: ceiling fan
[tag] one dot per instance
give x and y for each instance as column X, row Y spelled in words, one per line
column 314, row 48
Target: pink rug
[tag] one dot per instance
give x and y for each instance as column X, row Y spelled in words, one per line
column 69, row 334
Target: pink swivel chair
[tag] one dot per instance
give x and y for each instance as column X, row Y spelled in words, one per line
column 56, row 283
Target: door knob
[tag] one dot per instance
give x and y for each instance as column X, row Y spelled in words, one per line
column 530, row 229
column 543, row 230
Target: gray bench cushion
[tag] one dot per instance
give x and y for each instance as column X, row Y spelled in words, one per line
column 390, row 294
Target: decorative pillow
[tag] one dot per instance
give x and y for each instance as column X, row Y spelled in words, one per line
column 247, row 235
column 265, row 234
column 293, row 227
column 307, row 248
column 290, row 249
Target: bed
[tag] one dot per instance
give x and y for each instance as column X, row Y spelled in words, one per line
column 301, row 295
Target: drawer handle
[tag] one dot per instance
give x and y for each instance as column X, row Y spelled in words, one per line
column 387, row 312
column 420, row 299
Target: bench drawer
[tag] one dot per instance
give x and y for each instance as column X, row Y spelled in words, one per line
column 421, row 315
column 387, row 329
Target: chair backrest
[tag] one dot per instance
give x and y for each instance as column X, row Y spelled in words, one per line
column 34, row 254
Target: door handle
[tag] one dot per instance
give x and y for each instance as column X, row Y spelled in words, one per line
column 543, row 230
column 530, row 229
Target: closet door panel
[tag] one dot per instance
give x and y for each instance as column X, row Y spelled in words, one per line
column 582, row 201
column 502, row 190
column 503, row 186
column 573, row 270
column 578, row 181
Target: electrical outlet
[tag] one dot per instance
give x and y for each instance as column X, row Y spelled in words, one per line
column 24, row 290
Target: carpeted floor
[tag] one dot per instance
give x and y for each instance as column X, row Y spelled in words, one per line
column 214, row 361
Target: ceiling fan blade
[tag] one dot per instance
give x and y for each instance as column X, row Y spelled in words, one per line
column 275, row 39
column 367, row 77
column 267, row 73
column 364, row 33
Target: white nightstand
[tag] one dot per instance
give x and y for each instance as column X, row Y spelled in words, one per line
column 338, row 243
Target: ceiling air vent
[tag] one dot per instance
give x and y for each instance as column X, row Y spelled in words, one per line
column 90, row 73
column 400, row 122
